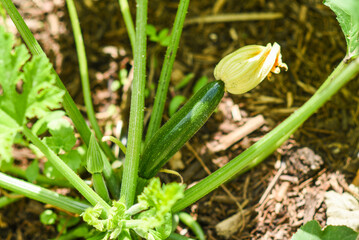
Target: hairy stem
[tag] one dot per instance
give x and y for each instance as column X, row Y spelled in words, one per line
column 129, row 177
column 41, row 194
column 81, row 53
column 100, row 186
column 125, row 10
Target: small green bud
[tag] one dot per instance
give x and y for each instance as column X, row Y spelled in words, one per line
column 95, row 159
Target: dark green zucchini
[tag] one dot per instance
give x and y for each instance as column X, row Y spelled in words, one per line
column 180, row 128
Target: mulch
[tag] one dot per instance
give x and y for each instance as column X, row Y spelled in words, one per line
column 275, row 198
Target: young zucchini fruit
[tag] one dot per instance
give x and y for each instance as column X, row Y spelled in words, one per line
column 180, row 128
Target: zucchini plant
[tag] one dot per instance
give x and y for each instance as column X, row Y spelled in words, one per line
column 132, row 203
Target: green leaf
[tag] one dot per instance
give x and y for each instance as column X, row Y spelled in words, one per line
column 40, row 126
column 152, row 33
column 200, row 83
column 165, row 41
column 32, row 171
column 165, row 229
column 95, row 161
column 72, row 159
column 175, row 103
column 48, row 217
column 91, row 216
column 8, row 130
column 163, row 37
column 184, row 81
column 62, row 138
column 26, row 90
column 115, row 85
column 51, row 172
column 312, row 231
column 159, row 201
column 151, row 30
column 348, row 18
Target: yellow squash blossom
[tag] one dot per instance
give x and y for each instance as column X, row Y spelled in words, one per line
column 245, row 68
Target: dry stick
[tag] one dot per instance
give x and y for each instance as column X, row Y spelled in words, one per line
column 347, row 189
column 228, row 140
column 234, row 17
column 223, row 187
column 272, row 183
column 218, row 6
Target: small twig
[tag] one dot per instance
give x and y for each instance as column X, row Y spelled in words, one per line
column 272, row 183
column 308, row 181
column 347, row 189
column 228, row 140
column 11, row 195
column 235, row 17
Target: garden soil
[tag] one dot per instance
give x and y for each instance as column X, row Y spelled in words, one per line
column 270, row 201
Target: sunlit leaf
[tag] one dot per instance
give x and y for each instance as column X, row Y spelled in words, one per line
column 347, row 12
column 312, row 231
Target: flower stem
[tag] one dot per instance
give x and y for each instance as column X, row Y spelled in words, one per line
column 116, row 141
column 100, row 186
column 80, row 48
column 41, row 194
column 130, row 171
column 125, row 10
column 161, row 93
column 66, row 171
column 269, row 143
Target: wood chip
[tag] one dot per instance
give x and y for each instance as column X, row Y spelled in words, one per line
column 228, row 140
column 229, row 226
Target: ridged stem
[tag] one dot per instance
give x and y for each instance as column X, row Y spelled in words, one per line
column 39, row 179
column 125, row 10
column 41, row 194
column 85, row 82
column 100, row 187
column 130, row 170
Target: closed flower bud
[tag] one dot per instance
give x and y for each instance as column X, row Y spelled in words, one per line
column 245, row 68
column 94, row 157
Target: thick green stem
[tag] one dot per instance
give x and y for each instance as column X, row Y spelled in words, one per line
column 66, row 171
column 269, row 143
column 129, row 177
column 161, row 93
column 68, row 103
column 41, row 194
column 81, row 53
column 125, row 10
column 40, row 179
column 100, row 186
